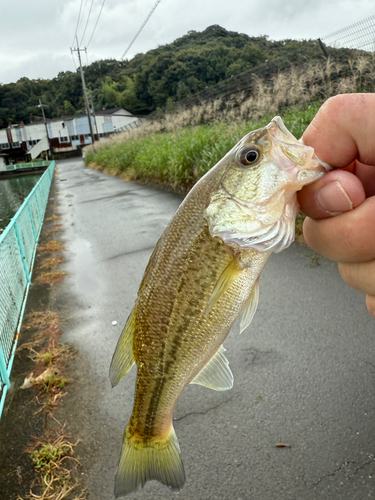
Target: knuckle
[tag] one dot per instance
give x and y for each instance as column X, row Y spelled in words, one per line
column 333, row 104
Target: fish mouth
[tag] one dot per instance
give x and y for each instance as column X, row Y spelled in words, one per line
column 276, row 126
column 309, row 167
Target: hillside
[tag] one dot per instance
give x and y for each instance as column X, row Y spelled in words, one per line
column 151, row 80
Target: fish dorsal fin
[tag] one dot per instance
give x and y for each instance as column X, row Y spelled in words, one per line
column 123, row 357
column 216, row 374
column 227, row 278
column 249, row 308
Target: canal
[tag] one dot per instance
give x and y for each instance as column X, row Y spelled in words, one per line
column 12, row 194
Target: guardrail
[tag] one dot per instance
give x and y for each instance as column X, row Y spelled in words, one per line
column 18, row 245
column 17, row 166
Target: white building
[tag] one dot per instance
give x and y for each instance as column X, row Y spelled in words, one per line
column 66, row 133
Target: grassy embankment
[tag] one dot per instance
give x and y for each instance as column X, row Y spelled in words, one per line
column 176, row 160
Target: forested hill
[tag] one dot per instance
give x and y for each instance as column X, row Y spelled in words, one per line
column 147, row 81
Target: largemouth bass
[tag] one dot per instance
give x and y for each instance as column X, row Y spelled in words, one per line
column 203, row 274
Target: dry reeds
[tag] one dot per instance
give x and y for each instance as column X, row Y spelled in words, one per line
column 286, row 88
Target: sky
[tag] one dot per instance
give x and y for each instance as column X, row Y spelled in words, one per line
column 36, row 36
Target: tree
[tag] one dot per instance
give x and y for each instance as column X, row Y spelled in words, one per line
column 69, row 108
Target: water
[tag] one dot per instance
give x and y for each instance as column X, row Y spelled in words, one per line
column 12, row 194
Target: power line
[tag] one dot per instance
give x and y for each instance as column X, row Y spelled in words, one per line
column 141, row 28
column 87, row 22
column 93, row 31
column 74, row 63
column 79, row 16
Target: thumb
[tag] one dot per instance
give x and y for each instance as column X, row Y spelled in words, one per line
column 336, row 192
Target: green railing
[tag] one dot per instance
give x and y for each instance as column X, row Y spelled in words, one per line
column 32, row 164
column 18, row 245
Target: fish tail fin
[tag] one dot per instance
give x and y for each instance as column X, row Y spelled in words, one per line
column 143, row 461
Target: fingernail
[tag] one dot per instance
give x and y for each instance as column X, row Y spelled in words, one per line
column 333, row 198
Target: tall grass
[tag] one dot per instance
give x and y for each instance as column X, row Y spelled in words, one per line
column 178, row 159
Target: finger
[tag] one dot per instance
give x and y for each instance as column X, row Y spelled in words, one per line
column 349, row 237
column 370, row 303
column 340, row 131
column 360, row 276
column 337, row 191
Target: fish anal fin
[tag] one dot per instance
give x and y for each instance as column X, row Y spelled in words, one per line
column 123, row 357
column 226, row 280
column 216, row 374
column 142, row 462
column 249, row 308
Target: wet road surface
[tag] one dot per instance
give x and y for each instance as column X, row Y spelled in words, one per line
column 304, row 370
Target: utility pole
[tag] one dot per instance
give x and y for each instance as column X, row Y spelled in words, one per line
column 91, row 102
column 40, row 105
column 77, row 49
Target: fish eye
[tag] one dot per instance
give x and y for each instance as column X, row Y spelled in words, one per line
column 251, row 155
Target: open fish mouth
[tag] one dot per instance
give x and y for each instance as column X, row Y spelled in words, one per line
column 290, row 146
column 276, row 126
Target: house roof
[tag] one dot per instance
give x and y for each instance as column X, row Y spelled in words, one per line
column 71, row 117
column 109, row 111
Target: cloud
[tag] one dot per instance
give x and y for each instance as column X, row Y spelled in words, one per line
column 36, row 36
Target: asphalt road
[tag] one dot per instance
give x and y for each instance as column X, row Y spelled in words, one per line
column 304, row 370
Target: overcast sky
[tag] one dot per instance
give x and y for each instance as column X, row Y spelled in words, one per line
column 36, row 36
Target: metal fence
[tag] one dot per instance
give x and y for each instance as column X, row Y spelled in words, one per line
column 360, row 35
column 18, row 245
column 33, row 164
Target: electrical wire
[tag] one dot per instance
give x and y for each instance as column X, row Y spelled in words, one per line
column 87, row 22
column 79, row 16
column 74, row 63
column 93, row 31
column 87, row 58
column 141, row 28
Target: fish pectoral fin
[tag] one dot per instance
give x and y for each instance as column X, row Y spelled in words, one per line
column 123, row 357
column 249, row 308
column 216, row 374
column 226, row 280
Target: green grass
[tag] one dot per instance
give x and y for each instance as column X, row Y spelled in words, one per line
column 178, row 159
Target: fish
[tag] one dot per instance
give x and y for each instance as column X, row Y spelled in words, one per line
column 202, row 275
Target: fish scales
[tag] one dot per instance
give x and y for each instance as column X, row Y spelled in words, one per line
column 202, row 275
column 190, row 335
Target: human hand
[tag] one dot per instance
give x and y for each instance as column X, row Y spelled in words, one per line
column 341, row 205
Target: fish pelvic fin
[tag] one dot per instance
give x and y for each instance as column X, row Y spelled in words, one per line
column 143, row 461
column 216, row 374
column 249, row 308
column 226, row 280
column 123, row 357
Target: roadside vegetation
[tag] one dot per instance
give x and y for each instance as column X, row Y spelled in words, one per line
column 176, row 160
